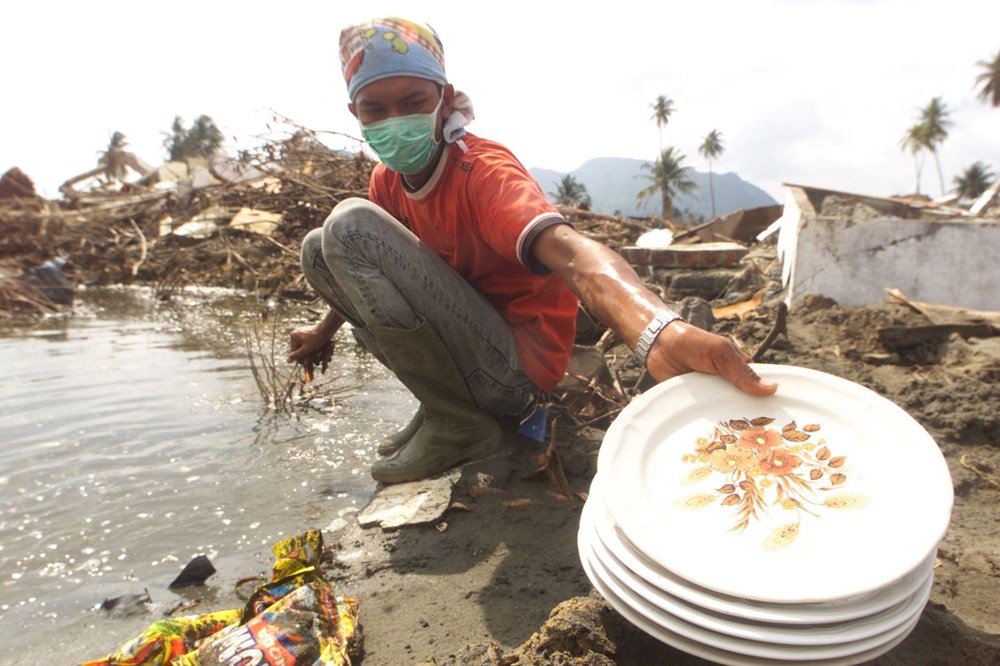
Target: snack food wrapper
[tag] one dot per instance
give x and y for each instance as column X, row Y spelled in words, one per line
column 293, row 620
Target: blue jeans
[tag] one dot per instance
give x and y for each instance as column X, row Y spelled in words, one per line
column 374, row 272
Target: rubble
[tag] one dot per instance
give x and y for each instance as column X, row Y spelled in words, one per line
column 15, row 184
column 852, row 247
column 412, row 503
column 260, row 207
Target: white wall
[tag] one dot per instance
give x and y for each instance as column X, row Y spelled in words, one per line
column 953, row 262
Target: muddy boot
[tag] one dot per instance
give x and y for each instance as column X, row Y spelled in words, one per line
column 395, row 441
column 453, row 429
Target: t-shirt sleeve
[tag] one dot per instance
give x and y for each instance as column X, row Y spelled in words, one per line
column 512, row 209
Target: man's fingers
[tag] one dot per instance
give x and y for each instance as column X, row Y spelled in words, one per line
column 748, row 381
column 297, row 354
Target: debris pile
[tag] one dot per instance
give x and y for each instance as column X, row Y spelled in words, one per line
column 223, row 222
column 234, row 223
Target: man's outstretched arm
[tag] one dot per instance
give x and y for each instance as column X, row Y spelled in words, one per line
column 615, row 294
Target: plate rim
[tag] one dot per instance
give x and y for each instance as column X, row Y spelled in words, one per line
column 723, row 656
column 737, row 614
column 761, row 611
column 757, row 650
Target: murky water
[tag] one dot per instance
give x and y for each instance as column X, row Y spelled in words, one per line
column 134, row 438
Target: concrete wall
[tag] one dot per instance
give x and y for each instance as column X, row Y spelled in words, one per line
column 948, row 262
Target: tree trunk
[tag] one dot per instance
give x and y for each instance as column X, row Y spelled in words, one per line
column 937, row 163
column 711, row 188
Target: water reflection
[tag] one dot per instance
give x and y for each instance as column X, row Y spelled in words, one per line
column 134, row 438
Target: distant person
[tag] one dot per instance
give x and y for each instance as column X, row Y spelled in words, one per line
column 459, row 275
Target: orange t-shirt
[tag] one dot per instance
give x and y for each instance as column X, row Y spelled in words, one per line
column 480, row 212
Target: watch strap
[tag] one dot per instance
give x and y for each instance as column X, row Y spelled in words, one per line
column 649, row 334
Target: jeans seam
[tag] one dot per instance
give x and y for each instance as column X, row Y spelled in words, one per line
column 437, row 295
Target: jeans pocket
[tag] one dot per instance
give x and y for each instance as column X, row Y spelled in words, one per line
column 500, row 398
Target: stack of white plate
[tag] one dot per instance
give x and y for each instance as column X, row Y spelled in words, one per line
column 800, row 527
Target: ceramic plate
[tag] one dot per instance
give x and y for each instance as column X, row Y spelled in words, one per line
column 803, row 632
column 769, row 650
column 696, row 648
column 822, row 492
column 613, row 547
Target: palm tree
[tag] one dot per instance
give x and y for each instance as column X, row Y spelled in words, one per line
column 668, row 178
column 113, row 158
column 663, row 108
column 915, row 140
column 711, row 148
column 973, row 180
column 571, row 193
column 989, row 79
column 202, row 139
column 934, row 117
column 174, row 143
column 113, row 164
column 205, row 138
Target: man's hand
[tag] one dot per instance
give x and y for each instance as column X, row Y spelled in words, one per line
column 682, row 348
column 307, row 341
column 304, row 342
column 311, row 346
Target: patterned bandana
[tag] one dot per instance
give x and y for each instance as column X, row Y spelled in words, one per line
column 390, row 46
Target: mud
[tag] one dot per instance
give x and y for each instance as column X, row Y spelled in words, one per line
column 480, row 588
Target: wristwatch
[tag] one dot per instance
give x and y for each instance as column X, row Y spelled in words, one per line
column 653, row 329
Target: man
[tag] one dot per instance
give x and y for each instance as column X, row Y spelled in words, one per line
column 459, row 275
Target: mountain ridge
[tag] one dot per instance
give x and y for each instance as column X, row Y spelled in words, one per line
column 614, row 183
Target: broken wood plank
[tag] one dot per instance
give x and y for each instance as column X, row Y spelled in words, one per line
column 946, row 314
column 740, row 310
column 901, row 337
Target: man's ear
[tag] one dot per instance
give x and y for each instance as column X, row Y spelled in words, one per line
column 353, row 109
column 447, row 99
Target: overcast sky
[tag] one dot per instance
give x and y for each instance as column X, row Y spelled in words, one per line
column 815, row 92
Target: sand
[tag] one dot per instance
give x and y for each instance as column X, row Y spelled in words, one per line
column 478, row 586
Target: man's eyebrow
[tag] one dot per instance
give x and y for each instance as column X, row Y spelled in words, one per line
column 415, row 96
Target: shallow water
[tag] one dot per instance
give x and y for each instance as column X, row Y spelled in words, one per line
column 134, row 438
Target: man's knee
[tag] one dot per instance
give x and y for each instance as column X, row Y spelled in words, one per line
column 347, row 214
column 312, row 251
column 312, row 243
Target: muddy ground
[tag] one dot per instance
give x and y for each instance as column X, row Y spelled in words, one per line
column 481, row 591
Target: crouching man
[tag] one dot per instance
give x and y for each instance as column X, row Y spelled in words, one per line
column 459, row 275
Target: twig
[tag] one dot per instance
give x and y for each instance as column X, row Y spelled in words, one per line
column 772, row 335
column 142, row 242
column 283, row 247
column 978, row 472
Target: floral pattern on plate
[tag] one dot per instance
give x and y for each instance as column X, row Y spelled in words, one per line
column 763, row 468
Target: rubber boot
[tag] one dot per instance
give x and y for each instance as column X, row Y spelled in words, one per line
column 453, row 429
column 395, row 441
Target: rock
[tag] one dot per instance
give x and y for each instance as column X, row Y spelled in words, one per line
column 50, row 279
column 197, row 571
column 412, row 503
column 127, row 605
column 697, row 312
column 707, row 284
